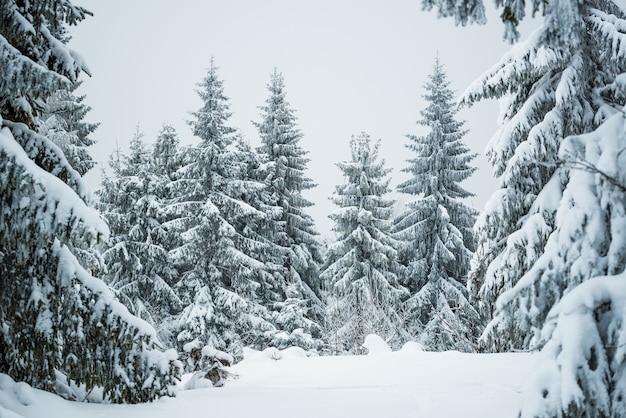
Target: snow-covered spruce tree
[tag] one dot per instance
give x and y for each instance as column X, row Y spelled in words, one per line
column 84, row 335
column 165, row 162
column 284, row 165
column 220, row 283
column 556, row 83
column 289, row 311
column 571, row 231
column 584, row 334
column 436, row 227
column 361, row 267
column 586, row 240
column 139, row 267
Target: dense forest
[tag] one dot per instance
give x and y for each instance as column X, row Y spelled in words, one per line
column 188, row 254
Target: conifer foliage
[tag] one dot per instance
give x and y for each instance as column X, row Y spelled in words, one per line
column 361, row 267
column 436, row 227
column 62, row 122
column 583, row 337
column 221, row 270
column 550, row 250
column 139, row 266
column 55, row 318
column 284, row 164
column 580, row 371
column 577, row 44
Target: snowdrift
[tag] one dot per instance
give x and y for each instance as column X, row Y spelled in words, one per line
column 287, row 383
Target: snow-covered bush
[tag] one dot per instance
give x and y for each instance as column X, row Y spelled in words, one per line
column 212, row 366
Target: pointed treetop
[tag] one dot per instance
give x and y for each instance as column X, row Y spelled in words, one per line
column 210, row 120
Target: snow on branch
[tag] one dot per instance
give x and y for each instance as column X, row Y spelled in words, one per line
column 581, row 369
column 69, row 208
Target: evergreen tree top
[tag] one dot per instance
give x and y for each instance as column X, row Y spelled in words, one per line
column 278, row 129
column 280, row 138
column 364, row 171
column 138, row 157
column 441, row 159
column 165, row 152
column 210, row 120
column 361, row 197
column 440, row 98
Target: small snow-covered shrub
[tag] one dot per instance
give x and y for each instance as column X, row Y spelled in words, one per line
column 212, row 366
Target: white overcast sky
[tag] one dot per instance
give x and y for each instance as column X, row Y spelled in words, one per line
column 349, row 66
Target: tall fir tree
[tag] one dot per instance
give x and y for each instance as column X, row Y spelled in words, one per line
column 55, row 318
column 361, row 267
column 559, row 82
column 282, row 297
column 436, row 227
column 220, row 285
column 166, row 161
column 284, row 172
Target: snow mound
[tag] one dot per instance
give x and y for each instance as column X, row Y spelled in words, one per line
column 294, row 352
column 250, row 354
column 24, row 393
column 6, row 382
column 272, row 353
column 376, row 345
column 412, row 347
column 197, row 381
column 14, row 396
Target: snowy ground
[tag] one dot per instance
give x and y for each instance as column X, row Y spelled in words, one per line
column 407, row 383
